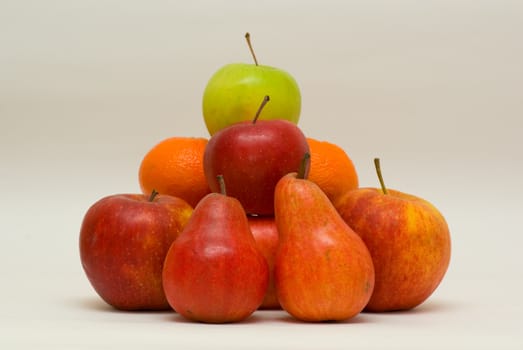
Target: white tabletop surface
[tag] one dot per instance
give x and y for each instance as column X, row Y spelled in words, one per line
column 434, row 88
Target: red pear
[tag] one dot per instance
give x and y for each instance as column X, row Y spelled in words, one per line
column 214, row 271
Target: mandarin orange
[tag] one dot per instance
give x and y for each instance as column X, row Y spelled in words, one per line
column 174, row 166
column 331, row 169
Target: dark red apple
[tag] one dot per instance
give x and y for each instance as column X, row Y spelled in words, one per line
column 124, row 239
column 252, row 156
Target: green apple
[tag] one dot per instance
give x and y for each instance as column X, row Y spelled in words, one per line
column 234, row 92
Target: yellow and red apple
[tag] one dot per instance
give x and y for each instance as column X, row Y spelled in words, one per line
column 409, row 241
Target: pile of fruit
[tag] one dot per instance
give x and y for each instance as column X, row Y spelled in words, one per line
column 259, row 216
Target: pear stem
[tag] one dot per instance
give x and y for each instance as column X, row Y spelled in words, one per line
column 153, row 195
column 221, row 182
column 263, row 103
column 380, row 176
column 304, row 166
column 248, row 38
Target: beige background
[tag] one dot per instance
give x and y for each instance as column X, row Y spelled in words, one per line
column 434, row 88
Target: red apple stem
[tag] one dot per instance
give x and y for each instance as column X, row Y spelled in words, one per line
column 153, row 195
column 262, row 105
column 248, row 38
column 380, row 176
column 221, row 182
column 305, row 163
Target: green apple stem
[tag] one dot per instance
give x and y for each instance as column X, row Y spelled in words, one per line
column 153, row 195
column 221, row 182
column 264, row 102
column 305, row 163
column 380, row 176
column 248, row 38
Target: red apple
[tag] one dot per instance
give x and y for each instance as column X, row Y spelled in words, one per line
column 124, row 239
column 408, row 239
column 252, row 156
column 265, row 234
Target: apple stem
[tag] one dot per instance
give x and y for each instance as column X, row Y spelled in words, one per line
column 380, row 176
column 264, row 102
column 153, row 195
column 221, row 182
column 248, row 38
column 305, row 163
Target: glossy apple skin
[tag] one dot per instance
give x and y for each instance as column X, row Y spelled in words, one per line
column 124, row 239
column 323, row 270
column 235, row 91
column 214, row 272
column 409, row 241
column 252, row 157
column 265, row 234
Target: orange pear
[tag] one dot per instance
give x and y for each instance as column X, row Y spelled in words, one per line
column 323, row 270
